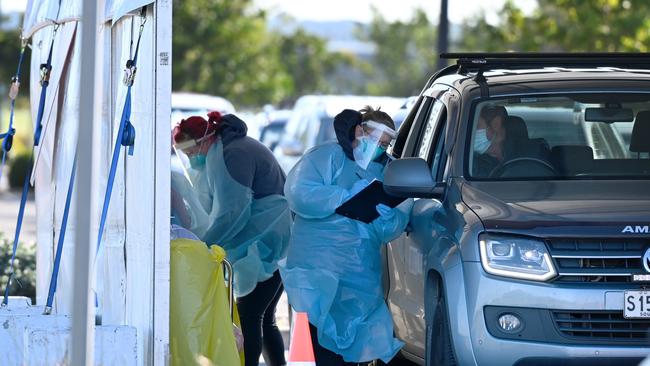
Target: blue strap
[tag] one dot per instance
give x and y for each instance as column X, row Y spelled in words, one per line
column 19, row 224
column 8, row 137
column 59, row 245
column 46, row 70
column 125, row 137
column 6, row 147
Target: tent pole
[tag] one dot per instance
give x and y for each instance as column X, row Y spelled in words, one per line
column 163, row 91
column 83, row 334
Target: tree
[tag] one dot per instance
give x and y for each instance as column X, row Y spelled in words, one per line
column 311, row 66
column 405, row 54
column 222, row 47
column 564, row 25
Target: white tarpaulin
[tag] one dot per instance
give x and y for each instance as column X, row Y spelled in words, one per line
column 125, row 269
column 115, row 9
column 41, row 13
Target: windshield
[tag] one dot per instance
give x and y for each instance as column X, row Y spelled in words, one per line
column 580, row 136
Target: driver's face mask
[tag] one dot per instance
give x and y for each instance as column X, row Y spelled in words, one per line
column 376, row 138
column 481, row 141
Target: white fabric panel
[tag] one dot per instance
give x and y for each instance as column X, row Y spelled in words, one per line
column 116, row 9
column 138, row 197
column 38, row 14
column 70, row 10
column 44, row 164
column 41, row 13
column 43, row 184
column 111, row 268
column 65, row 146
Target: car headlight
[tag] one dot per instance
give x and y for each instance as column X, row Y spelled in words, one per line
column 516, row 257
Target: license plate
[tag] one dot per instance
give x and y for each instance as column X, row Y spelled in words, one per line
column 636, row 304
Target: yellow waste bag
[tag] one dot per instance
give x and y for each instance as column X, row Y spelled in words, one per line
column 201, row 330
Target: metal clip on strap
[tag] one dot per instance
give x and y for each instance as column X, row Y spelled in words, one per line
column 45, row 74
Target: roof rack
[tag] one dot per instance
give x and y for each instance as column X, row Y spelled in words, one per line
column 481, row 61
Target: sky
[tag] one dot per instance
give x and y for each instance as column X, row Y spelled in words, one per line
column 358, row 10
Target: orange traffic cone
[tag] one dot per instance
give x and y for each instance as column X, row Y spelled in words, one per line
column 301, row 352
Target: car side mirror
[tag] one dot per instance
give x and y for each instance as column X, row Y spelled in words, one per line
column 411, row 177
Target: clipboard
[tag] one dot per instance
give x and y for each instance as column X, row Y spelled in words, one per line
column 362, row 206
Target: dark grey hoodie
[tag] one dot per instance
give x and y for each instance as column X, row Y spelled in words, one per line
column 248, row 161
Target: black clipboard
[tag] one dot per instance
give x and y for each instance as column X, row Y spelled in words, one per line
column 362, row 206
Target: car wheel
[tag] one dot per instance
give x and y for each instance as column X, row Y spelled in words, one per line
column 439, row 349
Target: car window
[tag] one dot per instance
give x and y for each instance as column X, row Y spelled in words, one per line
column 424, row 147
column 560, row 137
column 438, row 160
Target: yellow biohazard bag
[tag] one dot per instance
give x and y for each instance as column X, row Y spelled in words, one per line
column 201, row 331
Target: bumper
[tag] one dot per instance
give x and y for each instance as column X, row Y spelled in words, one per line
column 551, row 346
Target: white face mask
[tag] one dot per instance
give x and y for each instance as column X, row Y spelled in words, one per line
column 481, row 141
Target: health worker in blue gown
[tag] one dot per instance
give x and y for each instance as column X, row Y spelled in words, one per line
column 333, row 266
column 231, row 193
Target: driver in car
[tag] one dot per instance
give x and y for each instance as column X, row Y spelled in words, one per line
column 489, row 140
column 502, row 147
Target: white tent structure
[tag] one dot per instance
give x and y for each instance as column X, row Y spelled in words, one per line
column 132, row 269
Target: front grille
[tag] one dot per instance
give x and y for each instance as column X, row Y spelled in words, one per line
column 602, row 326
column 597, row 260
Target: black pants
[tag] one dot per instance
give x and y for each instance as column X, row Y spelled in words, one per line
column 325, row 357
column 257, row 315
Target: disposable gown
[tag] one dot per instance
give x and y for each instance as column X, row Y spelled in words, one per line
column 253, row 232
column 333, row 266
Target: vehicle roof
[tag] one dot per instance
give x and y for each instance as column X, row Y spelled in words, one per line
column 504, row 81
column 333, row 104
column 194, row 101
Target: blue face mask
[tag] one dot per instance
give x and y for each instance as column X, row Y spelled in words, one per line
column 379, row 151
column 197, row 161
column 481, row 141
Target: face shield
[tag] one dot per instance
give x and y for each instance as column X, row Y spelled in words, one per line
column 376, row 138
column 190, row 191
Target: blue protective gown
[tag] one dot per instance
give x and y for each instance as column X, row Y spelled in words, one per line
column 333, row 266
column 254, row 232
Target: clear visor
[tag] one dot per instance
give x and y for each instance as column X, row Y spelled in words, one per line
column 379, row 133
column 187, row 146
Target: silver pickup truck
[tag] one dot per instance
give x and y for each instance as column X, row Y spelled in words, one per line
column 530, row 241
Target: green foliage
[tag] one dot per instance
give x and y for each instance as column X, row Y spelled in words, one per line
column 222, row 47
column 10, row 50
column 405, row 54
column 309, row 64
column 24, row 283
column 18, row 167
column 564, row 25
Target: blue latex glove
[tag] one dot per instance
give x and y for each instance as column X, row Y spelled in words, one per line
column 358, row 186
column 385, row 212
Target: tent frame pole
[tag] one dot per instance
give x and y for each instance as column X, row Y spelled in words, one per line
column 83, row 331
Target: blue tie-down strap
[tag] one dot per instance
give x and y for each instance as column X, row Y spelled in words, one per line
column 19, row 224
column 8, row 139
column 39, row 117
column 59, row 246
column 128, row 137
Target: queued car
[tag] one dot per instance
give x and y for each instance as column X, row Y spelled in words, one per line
column 188, row 104
column 543, row 258
column 273, row 123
